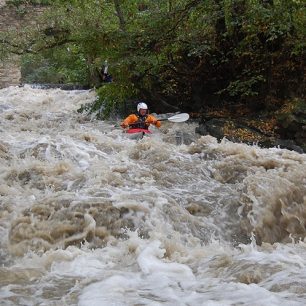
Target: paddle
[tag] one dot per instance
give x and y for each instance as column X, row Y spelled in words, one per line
column 176, row 118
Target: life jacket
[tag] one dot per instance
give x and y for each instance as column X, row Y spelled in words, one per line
column 140, row 123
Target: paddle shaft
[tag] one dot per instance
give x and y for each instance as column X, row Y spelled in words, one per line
column 176, row 118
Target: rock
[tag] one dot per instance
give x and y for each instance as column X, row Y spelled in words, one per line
column 288, row 144
column 213, row 127
column 292, row 123
column 246, row 130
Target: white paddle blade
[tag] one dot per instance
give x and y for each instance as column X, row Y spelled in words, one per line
column 179, row 118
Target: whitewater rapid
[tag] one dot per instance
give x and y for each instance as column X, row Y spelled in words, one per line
column 90, row 217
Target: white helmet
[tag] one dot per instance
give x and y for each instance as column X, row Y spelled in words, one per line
column 141, row 105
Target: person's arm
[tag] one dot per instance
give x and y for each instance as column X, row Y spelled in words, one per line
column 152, row 120
column 128, row 120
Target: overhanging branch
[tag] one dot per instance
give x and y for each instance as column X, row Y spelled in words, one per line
column 30, row 49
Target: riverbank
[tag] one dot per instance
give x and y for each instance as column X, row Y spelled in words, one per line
column 284, row 127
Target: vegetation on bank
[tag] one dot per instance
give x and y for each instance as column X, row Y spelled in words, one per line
column 179, row 55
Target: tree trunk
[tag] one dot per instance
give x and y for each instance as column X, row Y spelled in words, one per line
column 120, row 15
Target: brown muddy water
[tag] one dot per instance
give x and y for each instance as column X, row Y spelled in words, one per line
column 90, row 217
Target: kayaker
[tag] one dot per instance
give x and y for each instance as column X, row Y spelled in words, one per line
column 141, row 120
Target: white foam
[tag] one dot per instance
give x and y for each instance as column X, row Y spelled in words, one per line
column 186, row 211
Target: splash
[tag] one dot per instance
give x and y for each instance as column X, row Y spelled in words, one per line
column 91, row 217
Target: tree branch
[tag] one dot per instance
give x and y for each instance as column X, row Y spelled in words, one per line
column 19, row 50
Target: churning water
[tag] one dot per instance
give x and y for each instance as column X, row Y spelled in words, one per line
column 89, row 217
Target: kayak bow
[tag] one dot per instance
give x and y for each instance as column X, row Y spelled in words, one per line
column 137, row 133
column 133, row 131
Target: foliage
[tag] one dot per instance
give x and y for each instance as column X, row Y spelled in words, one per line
column 18, row 3
column 110, row 101
column 55, row 66
column 176, row 54
column 243, row 87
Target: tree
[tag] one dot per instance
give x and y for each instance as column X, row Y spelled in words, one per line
column 178, row 54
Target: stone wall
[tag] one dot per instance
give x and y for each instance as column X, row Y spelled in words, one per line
column 9, row 73
column 10, row 19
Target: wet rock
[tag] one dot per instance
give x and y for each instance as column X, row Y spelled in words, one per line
column 288, row 144
column 292, row 125
column 213, row 127
column 243, row 129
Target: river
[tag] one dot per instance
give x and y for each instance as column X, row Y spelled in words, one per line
column 90, row 217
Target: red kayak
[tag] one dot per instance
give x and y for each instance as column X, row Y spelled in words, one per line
column 133, row 131
column 137, row 133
